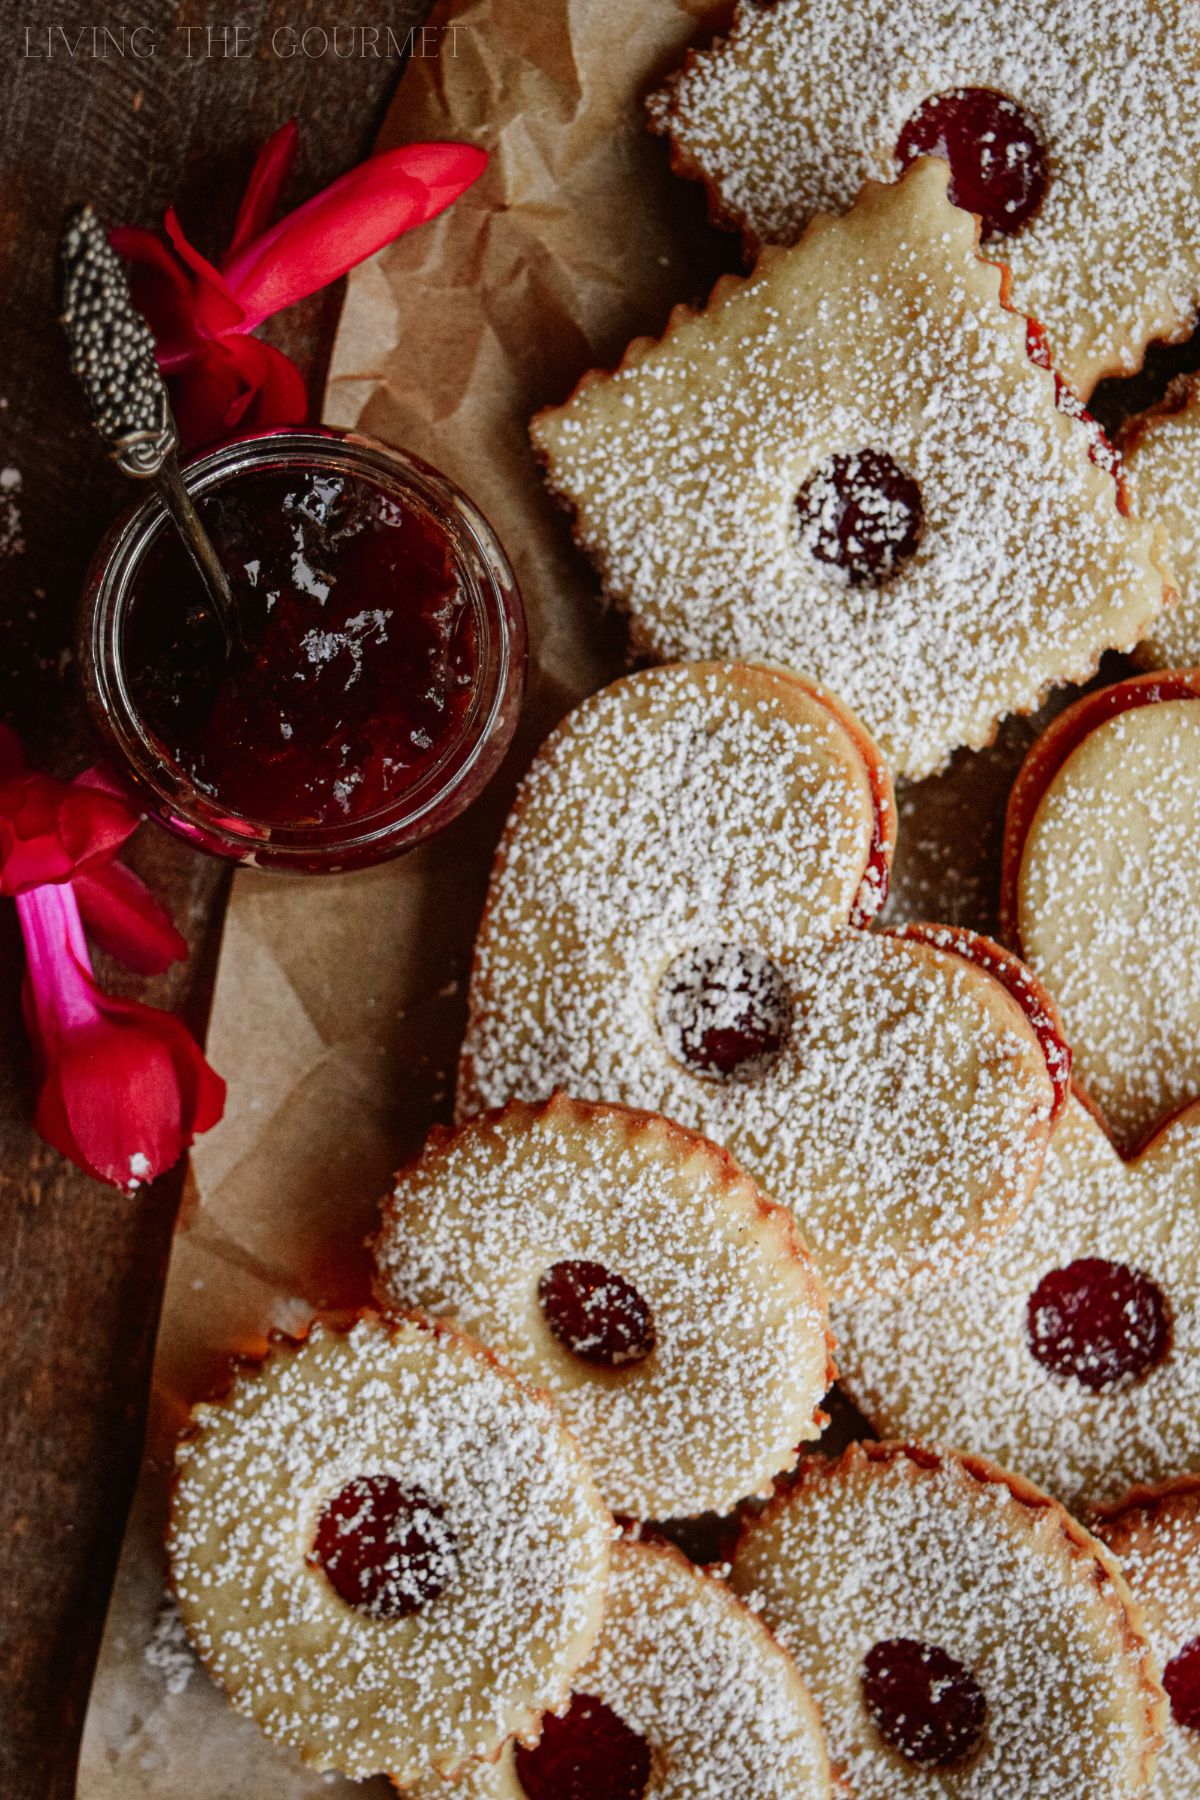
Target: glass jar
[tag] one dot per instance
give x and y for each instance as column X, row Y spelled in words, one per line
column 477, row 730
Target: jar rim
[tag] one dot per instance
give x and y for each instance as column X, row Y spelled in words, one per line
column 166, row 790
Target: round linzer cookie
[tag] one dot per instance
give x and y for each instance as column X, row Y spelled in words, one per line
column 1071, row 1351
column 675, row 922
column 959, row 1632
column 389, row 1553
column 1161, row 454
column 854, row 464
column 632, row 1270
column 685, row 1697
column 1073, row 130
column 1101, row 892
column 1155, row 1535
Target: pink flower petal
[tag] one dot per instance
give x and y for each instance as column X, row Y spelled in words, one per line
column 239, row 382
column 215, row 309
column 49, row 829
column 124, row 1088
column 275, row 393
column 360, row 213
column 126, row 920
column 267, row 179
column 161, row 291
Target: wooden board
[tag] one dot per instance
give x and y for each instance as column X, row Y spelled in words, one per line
column 81, row 1267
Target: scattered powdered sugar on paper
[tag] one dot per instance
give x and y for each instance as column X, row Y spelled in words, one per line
column 168, row 1651
column 874, row 1548
column 899, row 1118
column 436, row 1414
column 807, row 98
column 960, row 1370
column 882, row 331
column 740, row 1360
column 12, row 541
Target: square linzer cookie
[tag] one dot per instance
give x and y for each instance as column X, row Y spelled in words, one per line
column 854, row 464
column 1073, row 129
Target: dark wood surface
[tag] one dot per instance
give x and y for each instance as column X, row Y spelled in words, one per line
column 81, row 1267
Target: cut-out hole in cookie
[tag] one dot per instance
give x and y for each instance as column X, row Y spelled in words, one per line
column 1098, row 1322
column 724, row 1011
column 587, row 1754
column 596, row 1315
column 384, row 1548
column 998, row 165
column 1181, row 1678
column 862, row 513
column 923, row 1702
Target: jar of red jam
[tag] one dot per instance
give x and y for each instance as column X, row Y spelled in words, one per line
column 378, row 674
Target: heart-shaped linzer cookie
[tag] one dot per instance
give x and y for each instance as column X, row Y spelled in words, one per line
column 1072, row 1350
column 676, row 921
column 1101, row 892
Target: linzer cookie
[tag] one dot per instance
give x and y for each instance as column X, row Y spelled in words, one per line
column 1101, row 892
column 389, row 1553
column 630, row 1269
column 1161, row 452
column 676, row 921
column 851, row 464
column 1155, row 1535
column 1073, row 130
column 686, row 1694
column 1072, row 1350
column 960, row 1633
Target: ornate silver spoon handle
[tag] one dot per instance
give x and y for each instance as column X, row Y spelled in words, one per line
column 112, row 356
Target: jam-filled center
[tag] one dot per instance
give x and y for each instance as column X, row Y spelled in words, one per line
column 588, row 1754
column 1181, row 1678
column 861, row 512
column 998, row 164
column 724, row 1010
column 1099, row 1322
column 595, row 1314
column 384, row 1548
column 923, row 1702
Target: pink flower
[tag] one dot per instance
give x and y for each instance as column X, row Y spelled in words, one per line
column 122, row 1088
column 222, row 378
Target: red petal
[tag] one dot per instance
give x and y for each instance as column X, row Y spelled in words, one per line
column 357, row 215
column 126, row 920
column 216, row 310
column 50, row 829
column 275, row 392
column 266, row 183
column 205, row 392
column 161, row 291
column 239, row 382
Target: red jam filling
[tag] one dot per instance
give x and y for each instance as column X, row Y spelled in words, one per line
column 923, row 1702
column 1100, row 450
column 598, row 1316
column 998, row 165
column 724, row 1010
column 1099, row 1322
column 384, row 1548
column 358, row 657
column 587, row 1754
column 862, row 513
column 705, row 1539
column 1181, row 1678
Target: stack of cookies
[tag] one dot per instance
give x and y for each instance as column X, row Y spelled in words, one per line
column 723, row 1136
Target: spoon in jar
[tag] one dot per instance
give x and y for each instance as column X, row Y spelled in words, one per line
column 112, row 357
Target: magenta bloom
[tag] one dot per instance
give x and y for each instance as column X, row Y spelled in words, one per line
column 222, row 378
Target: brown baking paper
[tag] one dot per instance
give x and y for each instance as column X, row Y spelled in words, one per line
column 339, row 1003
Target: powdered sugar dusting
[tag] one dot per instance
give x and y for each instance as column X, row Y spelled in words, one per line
column 1156, row 1539
column 741, row 1358
column 499, row 1643
column 881, row 1545
column 963, row 1372
column 807, row 98
column 689, row 1668
column 1108, row 914
column 1162, row 464
column 903, row 1118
